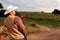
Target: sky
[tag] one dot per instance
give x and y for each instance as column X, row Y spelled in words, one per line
column 33, row 5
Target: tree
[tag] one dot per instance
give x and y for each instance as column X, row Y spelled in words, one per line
column 1, row 11
column 56, row 11
column 42, row 12
column 1, row 6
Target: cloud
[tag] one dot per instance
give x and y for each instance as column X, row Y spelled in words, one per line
column 58, row 0
column 33, row 5
column 0, row 1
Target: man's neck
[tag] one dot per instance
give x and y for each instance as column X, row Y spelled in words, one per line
column 11, row 15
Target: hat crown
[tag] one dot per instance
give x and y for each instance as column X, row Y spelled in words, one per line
column 9, row 7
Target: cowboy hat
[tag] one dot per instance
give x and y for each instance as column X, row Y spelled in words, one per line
column 10, row 8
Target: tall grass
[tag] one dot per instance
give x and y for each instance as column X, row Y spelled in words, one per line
column 47, row 19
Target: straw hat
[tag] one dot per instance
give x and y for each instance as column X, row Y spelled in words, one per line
column 10, row 8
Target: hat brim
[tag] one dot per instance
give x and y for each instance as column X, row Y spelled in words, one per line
column 8, row 11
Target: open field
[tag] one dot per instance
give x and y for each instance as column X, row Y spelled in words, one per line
column 33, row 18
column 46, row 19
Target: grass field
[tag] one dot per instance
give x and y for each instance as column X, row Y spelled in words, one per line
column 46, row 19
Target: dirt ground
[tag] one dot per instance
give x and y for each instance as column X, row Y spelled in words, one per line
column 45, row 34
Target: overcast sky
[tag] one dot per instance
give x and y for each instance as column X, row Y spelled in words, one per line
column 33, row 5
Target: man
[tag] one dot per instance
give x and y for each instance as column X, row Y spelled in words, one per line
column 14, row 25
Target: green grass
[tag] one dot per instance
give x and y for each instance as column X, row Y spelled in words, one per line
column 1, row 20
column 46, row 19
column 48, row 23
column 53, row 24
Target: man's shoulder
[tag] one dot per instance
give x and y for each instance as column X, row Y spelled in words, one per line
column 17, row 17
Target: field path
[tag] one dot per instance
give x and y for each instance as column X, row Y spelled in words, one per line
column 45, row 34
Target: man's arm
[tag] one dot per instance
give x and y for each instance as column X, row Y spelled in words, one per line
column 21, row 26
